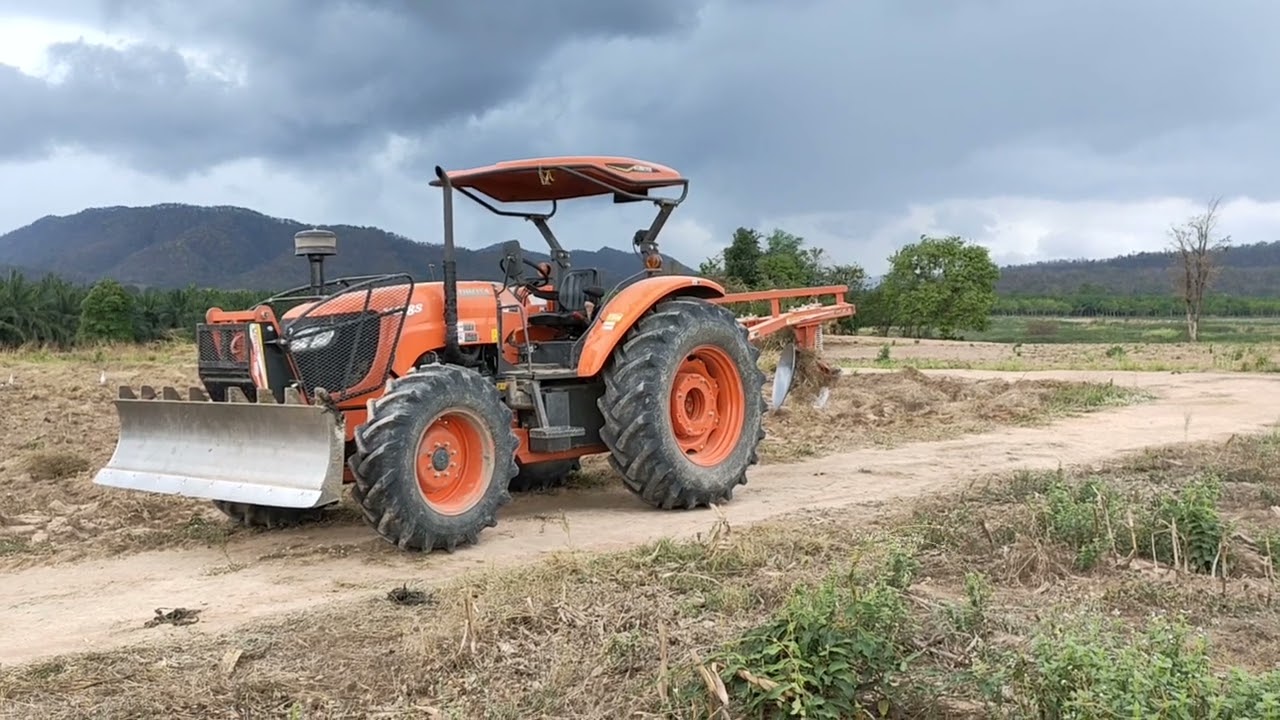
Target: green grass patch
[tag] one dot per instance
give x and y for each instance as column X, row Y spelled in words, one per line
column 1077, row 397
column 1083, row 666
column 1112, row 331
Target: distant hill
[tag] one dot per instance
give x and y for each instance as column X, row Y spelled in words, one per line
column 175, row 245
column 1247, row 271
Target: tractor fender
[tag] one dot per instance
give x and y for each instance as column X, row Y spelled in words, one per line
column 619, row 314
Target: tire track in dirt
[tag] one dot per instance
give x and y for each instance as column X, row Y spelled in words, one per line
column 102, row 604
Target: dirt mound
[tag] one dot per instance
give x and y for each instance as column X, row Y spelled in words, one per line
column 908, row 405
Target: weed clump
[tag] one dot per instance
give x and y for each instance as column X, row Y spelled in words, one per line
column 48, row 465
column 1181, row 529
column 834, row 649
column 1087, row 666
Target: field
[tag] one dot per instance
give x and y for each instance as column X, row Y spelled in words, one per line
column 1081, row 345
column 964, row 530
column 1125, row 330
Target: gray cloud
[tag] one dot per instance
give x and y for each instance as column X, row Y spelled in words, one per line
column 848, row 111
column 323, row 79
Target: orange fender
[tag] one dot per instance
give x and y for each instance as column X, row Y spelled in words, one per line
column 617, row 317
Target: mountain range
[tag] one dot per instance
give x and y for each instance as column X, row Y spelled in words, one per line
column 176, row 245
column 1245, row 271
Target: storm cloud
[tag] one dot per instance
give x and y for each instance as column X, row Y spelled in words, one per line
column 859, row 124
column 293, row 80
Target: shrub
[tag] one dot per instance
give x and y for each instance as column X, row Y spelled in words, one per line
column 106, row 314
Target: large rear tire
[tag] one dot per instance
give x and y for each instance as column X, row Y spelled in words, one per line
column 434, row 458
column 683, row 405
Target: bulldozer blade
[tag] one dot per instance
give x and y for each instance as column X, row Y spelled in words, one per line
column 281, row 455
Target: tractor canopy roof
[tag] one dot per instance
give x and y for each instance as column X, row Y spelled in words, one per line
column 565, row 177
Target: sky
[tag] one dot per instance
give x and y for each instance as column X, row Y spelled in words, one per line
column 1041, row 129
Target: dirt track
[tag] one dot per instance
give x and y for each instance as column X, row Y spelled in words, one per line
column 100, row 605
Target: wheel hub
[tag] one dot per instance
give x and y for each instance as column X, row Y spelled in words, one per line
column 707, row 405
column 447, row 474
column 440, row 459
column 693, row 409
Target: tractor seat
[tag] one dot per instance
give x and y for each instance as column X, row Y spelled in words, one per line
column 575, row 288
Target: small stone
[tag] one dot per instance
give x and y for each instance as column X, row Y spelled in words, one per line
column 61, row 526
column 40, row 538
column 31, row 519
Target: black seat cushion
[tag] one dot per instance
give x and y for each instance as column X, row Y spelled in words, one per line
column 572, row 290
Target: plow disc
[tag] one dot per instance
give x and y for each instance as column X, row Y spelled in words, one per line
column 286, row 455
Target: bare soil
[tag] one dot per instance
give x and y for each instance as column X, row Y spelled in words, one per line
column 60, row 428
column 890, row 408
column 622, row 634
column 150, row 605
column 63, row 428
column 103, row 603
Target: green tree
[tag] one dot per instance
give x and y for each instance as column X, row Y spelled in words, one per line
column 939, row 284
column 742, row 257
column 106, row 314
column 787, row 263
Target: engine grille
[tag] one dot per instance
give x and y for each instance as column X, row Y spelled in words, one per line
column 346, row 343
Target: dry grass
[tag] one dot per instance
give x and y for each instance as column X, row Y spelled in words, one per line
column 617, row 635
column 49, row 465
column 575, row 636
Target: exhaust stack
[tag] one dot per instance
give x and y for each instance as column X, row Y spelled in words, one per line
column 316, row 245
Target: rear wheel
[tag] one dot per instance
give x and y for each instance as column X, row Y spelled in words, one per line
column 265, row 516
column 683, row 405
column 434, row 458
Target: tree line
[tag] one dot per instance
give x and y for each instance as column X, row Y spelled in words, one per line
column 57, row 313
column 936, row 286
column 1095, row 303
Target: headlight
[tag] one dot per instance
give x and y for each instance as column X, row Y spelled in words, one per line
column 313, row 340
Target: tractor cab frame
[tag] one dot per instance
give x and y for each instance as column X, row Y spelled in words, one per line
column 550, row 343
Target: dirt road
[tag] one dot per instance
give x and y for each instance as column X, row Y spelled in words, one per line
column 100, row 605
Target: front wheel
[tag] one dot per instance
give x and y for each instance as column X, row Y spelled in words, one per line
column 683, row 405
column 434, row 458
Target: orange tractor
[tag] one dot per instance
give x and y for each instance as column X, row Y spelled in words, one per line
column 435, row 400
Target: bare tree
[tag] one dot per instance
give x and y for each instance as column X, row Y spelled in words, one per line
column 1197, row 249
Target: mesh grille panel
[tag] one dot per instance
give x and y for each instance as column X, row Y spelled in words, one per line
column 223, row 346
column 346, row 343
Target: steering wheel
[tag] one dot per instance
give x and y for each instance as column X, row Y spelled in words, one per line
column 535, row 286
column 543, row 270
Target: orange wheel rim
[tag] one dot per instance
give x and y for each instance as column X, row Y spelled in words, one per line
column 454, row 462
column 708, row 406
